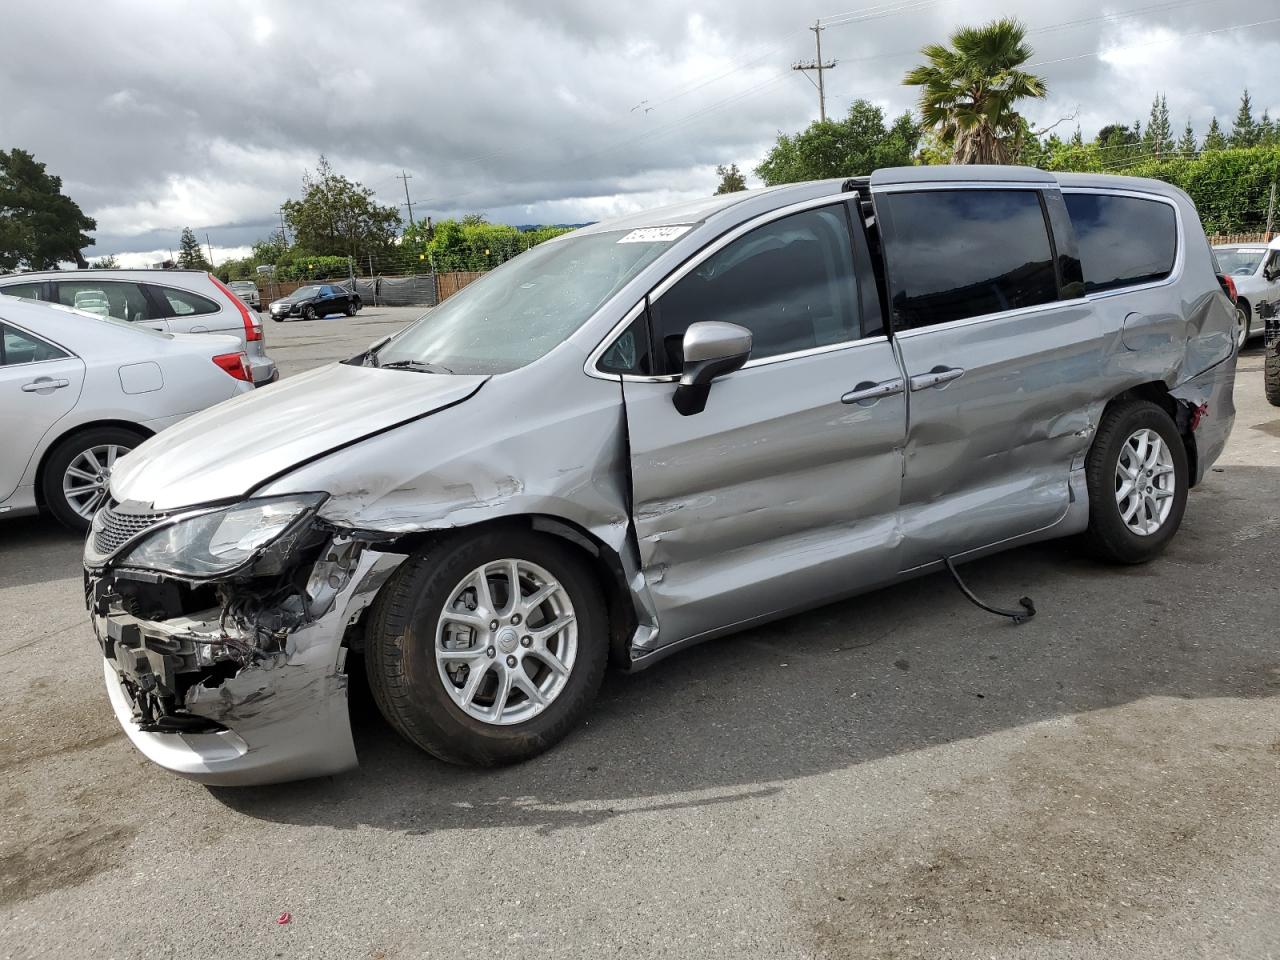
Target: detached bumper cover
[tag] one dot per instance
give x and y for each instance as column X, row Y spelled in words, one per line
column 282, row 715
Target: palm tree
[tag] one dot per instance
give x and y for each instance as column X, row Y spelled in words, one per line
column 968, row 91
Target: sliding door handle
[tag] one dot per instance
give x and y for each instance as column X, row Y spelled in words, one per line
column 868, row 392
column 936, row 377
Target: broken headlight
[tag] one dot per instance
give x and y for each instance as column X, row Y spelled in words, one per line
column 221, row 540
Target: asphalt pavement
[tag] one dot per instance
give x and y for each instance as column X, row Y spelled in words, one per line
column 896, row 776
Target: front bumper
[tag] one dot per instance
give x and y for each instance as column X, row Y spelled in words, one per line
column 191, row 701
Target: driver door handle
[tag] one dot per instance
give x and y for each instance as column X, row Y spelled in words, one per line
column 868, row 392
column 44, row 383
column 936, row 378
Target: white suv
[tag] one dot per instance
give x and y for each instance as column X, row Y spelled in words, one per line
column 172, row 301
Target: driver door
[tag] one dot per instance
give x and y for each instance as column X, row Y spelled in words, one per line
column 783, row 492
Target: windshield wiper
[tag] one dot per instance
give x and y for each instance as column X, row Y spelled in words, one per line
column 421, row 365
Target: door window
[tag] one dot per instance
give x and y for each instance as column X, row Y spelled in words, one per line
column 184, row 303
column 32, row 290
column 106, row 298
column 790, row 282
column 1123, row 240
column 17, row 347
column 955, row 254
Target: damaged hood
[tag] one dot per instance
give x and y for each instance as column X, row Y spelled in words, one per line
column 229, row 449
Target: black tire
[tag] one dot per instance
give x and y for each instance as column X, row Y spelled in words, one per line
column 1108, row 536
column 351, row 309
column 400, row 657
column 1271, row 374
column 308, row 312
column 278, row 319
column 67, row 449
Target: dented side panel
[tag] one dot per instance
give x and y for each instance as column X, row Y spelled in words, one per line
column 778, row 495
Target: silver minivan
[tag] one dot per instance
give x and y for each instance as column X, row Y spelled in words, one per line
column 171, row 301
column 649, row 432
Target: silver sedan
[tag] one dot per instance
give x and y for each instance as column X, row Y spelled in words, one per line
column 79, row 390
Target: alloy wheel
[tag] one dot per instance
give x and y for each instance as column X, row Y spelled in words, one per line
column 1242, row 328
column 1145, row 482
column 85, row 481
column 506, row 641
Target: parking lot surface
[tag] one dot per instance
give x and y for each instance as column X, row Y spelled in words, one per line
column 900, row 775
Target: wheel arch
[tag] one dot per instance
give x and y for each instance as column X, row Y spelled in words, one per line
column 603, row 560
column 1181, row 412
column 71, row 432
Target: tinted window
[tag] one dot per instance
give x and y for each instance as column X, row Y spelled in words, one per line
column 106, row 298
column 184, row 303
column 17, row 347
column 1123, row 240
column 789, row 282
column 955, row 254
column 32, row 291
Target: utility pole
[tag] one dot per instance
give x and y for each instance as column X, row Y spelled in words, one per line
column 406, row 177
column 284, row 237
column 818, row 65
column 209, row 247
column 1271, row 212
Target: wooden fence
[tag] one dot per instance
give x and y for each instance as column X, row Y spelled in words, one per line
column 447, row 284
column 1218, row 238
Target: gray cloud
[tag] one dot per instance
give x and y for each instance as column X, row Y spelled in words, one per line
column 159, row 116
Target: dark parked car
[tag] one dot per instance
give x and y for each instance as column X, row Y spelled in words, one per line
column 318, row 300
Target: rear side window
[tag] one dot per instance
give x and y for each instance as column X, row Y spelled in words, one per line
column 790, row 282
column 107, row 298
column 955, row 254
column 1123, row 240
column 17, row 347
column 33, row 290
column 184, row 303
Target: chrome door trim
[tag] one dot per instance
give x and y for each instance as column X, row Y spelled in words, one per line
column 873, row 393
column 1179, row 254
column 988, row 317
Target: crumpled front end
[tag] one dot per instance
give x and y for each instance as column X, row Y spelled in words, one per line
column 240, row 680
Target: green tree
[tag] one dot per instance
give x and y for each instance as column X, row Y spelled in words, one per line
column 850, row 147
column 1244, row 132
column 40, row 226
column 1159, row 137
column 190, row 256
column 1077, row 139
column 1266, row 130
column 1214, row 139
column 969, row 91
column 338, row 217
column 1187, row 145
column 109, row 262
column 731, row 179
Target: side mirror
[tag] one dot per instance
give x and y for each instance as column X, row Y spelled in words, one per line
column 711, row 349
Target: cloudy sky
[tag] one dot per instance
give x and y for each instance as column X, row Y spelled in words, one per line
column 159, row 116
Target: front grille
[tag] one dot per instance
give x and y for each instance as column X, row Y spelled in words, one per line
column 113, row 528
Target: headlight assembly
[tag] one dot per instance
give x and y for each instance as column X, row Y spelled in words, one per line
column 222, row 540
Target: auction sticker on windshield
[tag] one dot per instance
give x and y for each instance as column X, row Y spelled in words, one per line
column 656, row 234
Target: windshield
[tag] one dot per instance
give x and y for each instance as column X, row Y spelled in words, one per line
column 1240, row 263
column 520, row 311
column 303, row 293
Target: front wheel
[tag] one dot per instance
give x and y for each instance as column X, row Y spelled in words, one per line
column 351, row 309
column 308, row 312
column 1137, row 478
column 78, row 472
column 489, row 648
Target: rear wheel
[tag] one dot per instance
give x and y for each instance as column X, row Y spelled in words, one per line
column 78, row 471
column 1243, row 324
column 489, row 648
column 1137, row 477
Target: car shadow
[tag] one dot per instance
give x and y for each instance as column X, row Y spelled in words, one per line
column 903, row 669
column 37, row 549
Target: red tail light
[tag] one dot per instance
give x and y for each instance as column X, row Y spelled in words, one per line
column 235, row 364
column 1228, row 287
column 252, row 331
